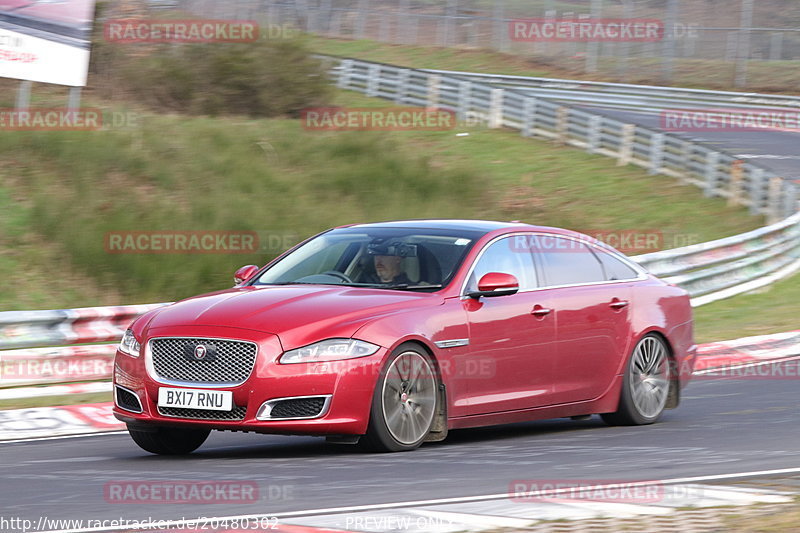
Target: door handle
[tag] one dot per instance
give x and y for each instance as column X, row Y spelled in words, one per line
column 618, row 304
column 540, row 312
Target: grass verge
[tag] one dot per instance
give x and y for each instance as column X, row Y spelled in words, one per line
column 271, row 176
column 772, row 309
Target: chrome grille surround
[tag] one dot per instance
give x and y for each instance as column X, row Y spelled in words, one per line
column 322, row 406
column 167, row 364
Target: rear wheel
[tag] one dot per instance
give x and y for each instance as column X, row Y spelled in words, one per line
column 169, row 441
column 646, row 384
column 404, row 403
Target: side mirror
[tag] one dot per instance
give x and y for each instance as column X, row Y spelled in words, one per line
column 496, row 284
column 244, row 274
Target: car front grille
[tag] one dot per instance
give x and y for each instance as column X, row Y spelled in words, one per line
column 225, row 362
column 203, row 414
column 298, row 408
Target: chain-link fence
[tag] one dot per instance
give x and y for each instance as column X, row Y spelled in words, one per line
column 722, row 37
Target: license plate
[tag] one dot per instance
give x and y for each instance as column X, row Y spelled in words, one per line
column 213, row 400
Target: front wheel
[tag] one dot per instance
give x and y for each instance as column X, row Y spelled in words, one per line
column 404, row 402
column 169, row 441
column 646, row 384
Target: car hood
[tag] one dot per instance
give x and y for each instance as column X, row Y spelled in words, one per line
column 298, row 315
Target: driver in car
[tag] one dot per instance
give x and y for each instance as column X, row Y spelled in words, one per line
column 388, row 261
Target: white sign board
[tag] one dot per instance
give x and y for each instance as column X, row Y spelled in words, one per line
column 46, row 40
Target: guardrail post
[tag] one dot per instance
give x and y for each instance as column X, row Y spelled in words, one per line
column 594, row 134
column 737, row 177
column 656, row 153
column 712, row 161
column 529, row 117
column 496, row 109
column 464, row 103
column 373, row 80
column 790, row 198
column 759, row 191
column 402, row 86
column 562, row 124
column 345, row 69
column 775, row 199
column 686, row 160
column 626, row 145
column 434, row 83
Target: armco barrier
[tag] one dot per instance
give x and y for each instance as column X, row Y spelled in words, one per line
column 720, row 269
column 629, row 96
column 716, row 172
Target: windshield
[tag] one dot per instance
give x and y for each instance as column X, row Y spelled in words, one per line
column 388, row 258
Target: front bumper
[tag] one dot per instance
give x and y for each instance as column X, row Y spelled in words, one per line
column 349, row 385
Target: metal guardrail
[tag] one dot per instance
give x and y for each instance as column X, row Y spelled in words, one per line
column 628, row 96
column 717, row 173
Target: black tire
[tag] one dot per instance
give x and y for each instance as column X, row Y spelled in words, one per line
column 169, row 441
column 409, row 375
column 646, row 384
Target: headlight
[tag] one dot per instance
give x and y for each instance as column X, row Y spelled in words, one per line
column 329, row 350
column 129, row 344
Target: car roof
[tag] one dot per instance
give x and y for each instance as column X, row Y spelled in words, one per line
column 481, row 226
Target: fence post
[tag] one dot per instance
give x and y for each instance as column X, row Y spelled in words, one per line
column 656, row 153
column 776, row 47
column 593, row 139
column 402, row 86
column 743, row 46
column 24, row 95
column 529, row 117
column 712, row 161
column 496, row 109
column 562, row 124
column 668, row 49
column 451, row 14
column 74, row 98
column 593, row 47
column 401, row 28
column 363, row 13
column 626, row 145
column 737, row 177
column 345, row 70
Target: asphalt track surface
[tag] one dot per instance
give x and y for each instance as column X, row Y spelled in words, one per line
column 724, row 426
column 774, row 150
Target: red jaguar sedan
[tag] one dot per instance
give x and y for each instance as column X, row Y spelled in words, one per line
column 391, row 334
